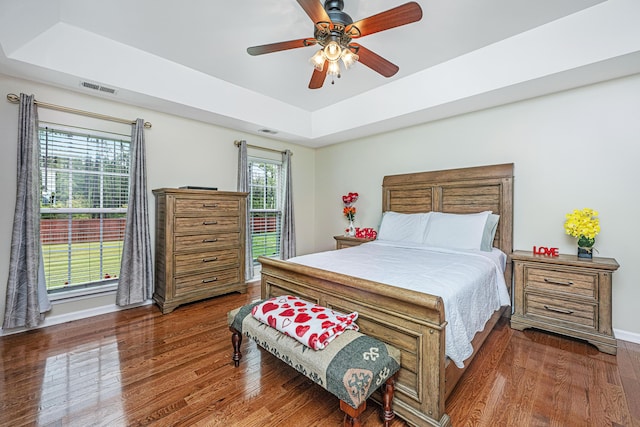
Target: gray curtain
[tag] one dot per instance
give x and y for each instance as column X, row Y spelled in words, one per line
column 243, row 186
column 288, row 237
column 136, row 269
column 27, row 298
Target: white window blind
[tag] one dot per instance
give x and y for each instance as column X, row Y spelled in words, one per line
column 265, row 207
column 85, row 191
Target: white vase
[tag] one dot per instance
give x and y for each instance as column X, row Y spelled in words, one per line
column 351, row 231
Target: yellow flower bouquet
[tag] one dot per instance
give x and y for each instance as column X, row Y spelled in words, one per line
column 584, row 225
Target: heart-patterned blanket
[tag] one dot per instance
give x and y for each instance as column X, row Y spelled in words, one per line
column 311, row 324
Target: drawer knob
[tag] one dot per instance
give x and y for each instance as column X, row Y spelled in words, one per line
column 558, row 282
column 215, row 279
column 209, row 240
column 209, row 222
column 205, row 205
column 558, row 310
column 215, row 258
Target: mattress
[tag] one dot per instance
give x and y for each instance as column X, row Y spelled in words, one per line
column 470, row 283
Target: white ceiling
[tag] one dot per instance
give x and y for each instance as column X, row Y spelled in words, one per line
column 189, row 58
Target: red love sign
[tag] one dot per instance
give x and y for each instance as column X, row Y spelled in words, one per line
column 542, row 250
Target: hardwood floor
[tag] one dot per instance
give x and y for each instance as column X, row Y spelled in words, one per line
column 138, row 367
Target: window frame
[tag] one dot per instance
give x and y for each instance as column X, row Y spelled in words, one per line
column 106, row 242
column 279, row 210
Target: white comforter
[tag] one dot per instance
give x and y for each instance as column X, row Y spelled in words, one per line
column 471, row 283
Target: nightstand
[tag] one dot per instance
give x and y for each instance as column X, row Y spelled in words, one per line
column 566, row 295
column 347, row 241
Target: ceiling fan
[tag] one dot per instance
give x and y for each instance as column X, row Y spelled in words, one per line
column 334, row 31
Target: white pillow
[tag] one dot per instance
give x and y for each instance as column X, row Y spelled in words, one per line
column 399, row 227
column 458, row 231
column 489, row 233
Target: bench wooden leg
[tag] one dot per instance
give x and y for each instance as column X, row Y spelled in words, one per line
column 352, row 415
column 388, row 389
column 236, row 341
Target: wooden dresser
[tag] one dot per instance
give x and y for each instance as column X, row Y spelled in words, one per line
column 348, row 241
column 199, row 245
column 566, row 295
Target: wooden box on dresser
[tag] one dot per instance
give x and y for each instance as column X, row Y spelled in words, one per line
column 200, row 245
column 566, row 295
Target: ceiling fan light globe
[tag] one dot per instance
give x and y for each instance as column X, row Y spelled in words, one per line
column 334, row 68
column 317, row 60
column 332, row 51
column 349, row 58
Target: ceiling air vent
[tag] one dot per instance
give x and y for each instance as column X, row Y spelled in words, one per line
column 98, row 87
column 269, row 131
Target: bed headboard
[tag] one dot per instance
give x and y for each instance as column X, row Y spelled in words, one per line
column 466, row 190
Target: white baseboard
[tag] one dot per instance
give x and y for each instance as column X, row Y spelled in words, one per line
column 627, row 336
column 76, row 315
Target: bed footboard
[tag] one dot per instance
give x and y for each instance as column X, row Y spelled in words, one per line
column 412, row 322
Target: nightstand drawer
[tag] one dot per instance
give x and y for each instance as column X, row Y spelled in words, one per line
column 565, row 281
column 583, row 314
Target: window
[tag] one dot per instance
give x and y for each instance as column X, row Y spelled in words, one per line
column 265, row 207
column 85, row 191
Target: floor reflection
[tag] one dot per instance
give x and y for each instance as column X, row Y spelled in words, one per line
column 82, row 386
column 252, row 364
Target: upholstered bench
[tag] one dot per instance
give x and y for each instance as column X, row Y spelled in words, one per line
column 351, row 367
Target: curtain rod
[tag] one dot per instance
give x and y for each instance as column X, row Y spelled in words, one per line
column 237, row 144
column 14, row 99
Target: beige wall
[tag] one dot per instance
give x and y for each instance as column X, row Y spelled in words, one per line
column 574, row 149
column 179, row 152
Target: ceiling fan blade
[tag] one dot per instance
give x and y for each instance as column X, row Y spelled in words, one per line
column 317, row 78
column 374, row 61
column 315, row 10
column 401, row 15
column 277, row 47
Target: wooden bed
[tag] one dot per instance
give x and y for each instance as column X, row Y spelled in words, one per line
column 411, row 321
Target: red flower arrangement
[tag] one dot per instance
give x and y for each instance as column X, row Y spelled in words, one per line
column 349, row 211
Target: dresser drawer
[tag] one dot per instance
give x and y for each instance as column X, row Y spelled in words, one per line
column 203, row 281
column 206, row 225
column 580, row 313
column 207, row 206
column 565, row 281
column 207, row 260
column 203, row 242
